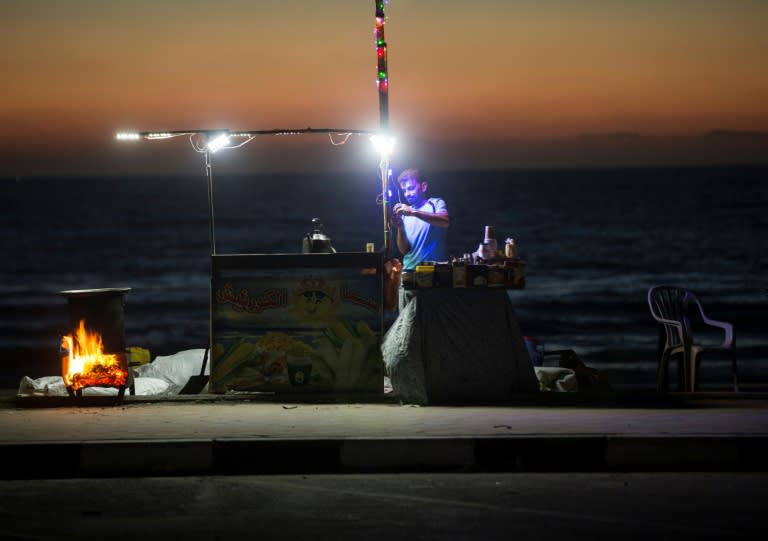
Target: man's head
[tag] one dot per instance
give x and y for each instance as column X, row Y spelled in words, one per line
column 414, row 186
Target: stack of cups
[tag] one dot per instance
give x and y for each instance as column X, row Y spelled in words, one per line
column 489, row 240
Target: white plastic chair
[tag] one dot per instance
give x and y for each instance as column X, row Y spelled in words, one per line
column 670, row 308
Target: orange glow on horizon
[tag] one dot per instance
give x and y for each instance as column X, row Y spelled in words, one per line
column 458, row 70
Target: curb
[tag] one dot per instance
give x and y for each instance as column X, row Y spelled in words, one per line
column 302, row 456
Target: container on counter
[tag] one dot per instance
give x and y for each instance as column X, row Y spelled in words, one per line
column 442, row 276
column 510, row 249
column 485, row 251
column 489, row 246
column 425, row 276
column 459, row 274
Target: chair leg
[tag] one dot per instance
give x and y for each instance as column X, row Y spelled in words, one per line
column 661, row 375
column 685, row 362
column 734, row 371
column 682, row 373
column 694, row 382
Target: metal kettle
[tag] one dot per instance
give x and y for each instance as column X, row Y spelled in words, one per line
column 317, row 242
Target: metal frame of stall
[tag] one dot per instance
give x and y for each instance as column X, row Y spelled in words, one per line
column 364, row 271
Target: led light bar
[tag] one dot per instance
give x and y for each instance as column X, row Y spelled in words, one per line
column 218, row 142
column 160, row 135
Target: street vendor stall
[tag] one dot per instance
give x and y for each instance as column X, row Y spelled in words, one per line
column 313, row 322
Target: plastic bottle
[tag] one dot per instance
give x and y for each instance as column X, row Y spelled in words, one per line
column 510, row 249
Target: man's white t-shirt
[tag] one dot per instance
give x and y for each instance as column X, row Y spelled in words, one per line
column 428, row 242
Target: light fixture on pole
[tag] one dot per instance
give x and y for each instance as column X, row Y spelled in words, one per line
column 218, row 142
column 385, row 145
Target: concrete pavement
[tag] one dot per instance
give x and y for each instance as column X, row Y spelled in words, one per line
column 372, row 507
column 210, row 434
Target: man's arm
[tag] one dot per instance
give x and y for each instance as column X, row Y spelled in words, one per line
column 402, row 242
column 438, row 219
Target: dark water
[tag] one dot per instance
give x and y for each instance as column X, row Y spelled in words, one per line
column 595, row 241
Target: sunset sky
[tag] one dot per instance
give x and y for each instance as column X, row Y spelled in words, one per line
column 480, row 83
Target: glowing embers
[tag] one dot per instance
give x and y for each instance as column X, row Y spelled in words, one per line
column 85, row 364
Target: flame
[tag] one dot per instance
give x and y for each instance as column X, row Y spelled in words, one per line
column 86, row 364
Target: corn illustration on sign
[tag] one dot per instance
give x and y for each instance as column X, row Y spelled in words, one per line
column 304, row 332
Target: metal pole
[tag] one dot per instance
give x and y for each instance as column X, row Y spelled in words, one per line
column 382, row 82
column 384, row 172
column 209, row 176
column 382, row 75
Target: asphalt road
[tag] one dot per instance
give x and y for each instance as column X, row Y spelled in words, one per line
column 392, row 507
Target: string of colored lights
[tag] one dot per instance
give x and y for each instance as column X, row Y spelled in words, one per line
column 382, row 77
column 382, row 83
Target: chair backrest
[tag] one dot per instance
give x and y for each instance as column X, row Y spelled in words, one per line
column 668, row 305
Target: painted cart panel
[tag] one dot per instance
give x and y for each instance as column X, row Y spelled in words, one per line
column 300, row 323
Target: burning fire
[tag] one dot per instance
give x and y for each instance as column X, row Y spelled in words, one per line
column 87, row 365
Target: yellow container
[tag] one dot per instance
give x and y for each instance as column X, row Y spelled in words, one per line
column 137, row 356
column 425, row 275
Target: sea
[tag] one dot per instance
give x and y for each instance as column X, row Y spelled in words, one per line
column 595, row 240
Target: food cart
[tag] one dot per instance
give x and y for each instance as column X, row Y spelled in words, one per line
column 297, row 323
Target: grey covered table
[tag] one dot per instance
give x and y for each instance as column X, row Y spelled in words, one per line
column 458, row 345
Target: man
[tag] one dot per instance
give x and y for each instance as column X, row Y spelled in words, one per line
column 422, row 223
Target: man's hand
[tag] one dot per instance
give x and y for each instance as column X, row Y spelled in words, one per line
column 401, row 209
